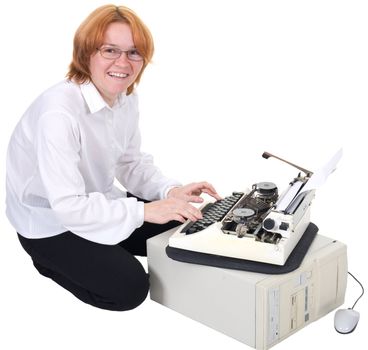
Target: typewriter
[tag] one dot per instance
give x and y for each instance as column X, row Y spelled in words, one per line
column 256, row 225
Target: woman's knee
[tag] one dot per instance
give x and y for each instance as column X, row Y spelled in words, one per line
column 131, row 293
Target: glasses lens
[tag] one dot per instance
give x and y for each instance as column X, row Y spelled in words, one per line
column 134, row 55
column 110, row 52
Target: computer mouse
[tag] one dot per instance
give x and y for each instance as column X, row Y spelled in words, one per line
column 346, row 320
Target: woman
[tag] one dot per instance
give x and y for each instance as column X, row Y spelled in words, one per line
column 64, row 156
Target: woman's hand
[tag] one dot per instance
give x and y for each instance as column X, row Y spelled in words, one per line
column 177, row 205
column 191, row 192
column 165, row 210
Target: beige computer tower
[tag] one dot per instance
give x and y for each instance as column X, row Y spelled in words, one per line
column 257, row 309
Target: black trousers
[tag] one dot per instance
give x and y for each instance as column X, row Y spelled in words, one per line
column 105, row 276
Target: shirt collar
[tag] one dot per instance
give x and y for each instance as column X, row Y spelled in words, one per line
column 94, row 100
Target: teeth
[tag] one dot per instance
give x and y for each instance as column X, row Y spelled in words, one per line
column 119, row 75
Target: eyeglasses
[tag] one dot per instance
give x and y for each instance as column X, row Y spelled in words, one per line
column 113, row 53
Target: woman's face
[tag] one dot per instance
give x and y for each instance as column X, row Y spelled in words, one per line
column 113, row 76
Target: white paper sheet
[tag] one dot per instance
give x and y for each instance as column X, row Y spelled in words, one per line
column 319, row 177
column 316, row 180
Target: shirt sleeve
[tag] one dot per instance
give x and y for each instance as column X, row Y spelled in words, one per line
column 89, row 215
column 137, row 173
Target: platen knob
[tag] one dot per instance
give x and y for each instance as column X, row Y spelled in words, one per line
column 269, row 224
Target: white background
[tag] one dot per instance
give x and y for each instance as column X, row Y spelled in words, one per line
column 230, row 79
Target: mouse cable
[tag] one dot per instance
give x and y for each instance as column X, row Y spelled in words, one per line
column 360, row 286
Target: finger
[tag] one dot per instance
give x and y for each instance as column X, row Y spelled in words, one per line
column 191, row 213
column 193, row 187
column 210, row 188
column 192, row 216
column 197, row 188
column 197, row 213
column 213, row 194
column 194, row 199
column 184, row 209
column 205, row 186
column 179, row 218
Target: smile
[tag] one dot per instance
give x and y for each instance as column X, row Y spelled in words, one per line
column 117, row 75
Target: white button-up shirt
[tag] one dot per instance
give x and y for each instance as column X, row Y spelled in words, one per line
column 63, row 158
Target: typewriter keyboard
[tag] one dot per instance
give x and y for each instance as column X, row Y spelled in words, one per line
column 212, row 212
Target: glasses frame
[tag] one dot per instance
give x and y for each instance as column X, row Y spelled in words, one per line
column 120, row 52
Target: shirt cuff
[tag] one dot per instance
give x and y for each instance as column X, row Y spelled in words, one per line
column 140, row 213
